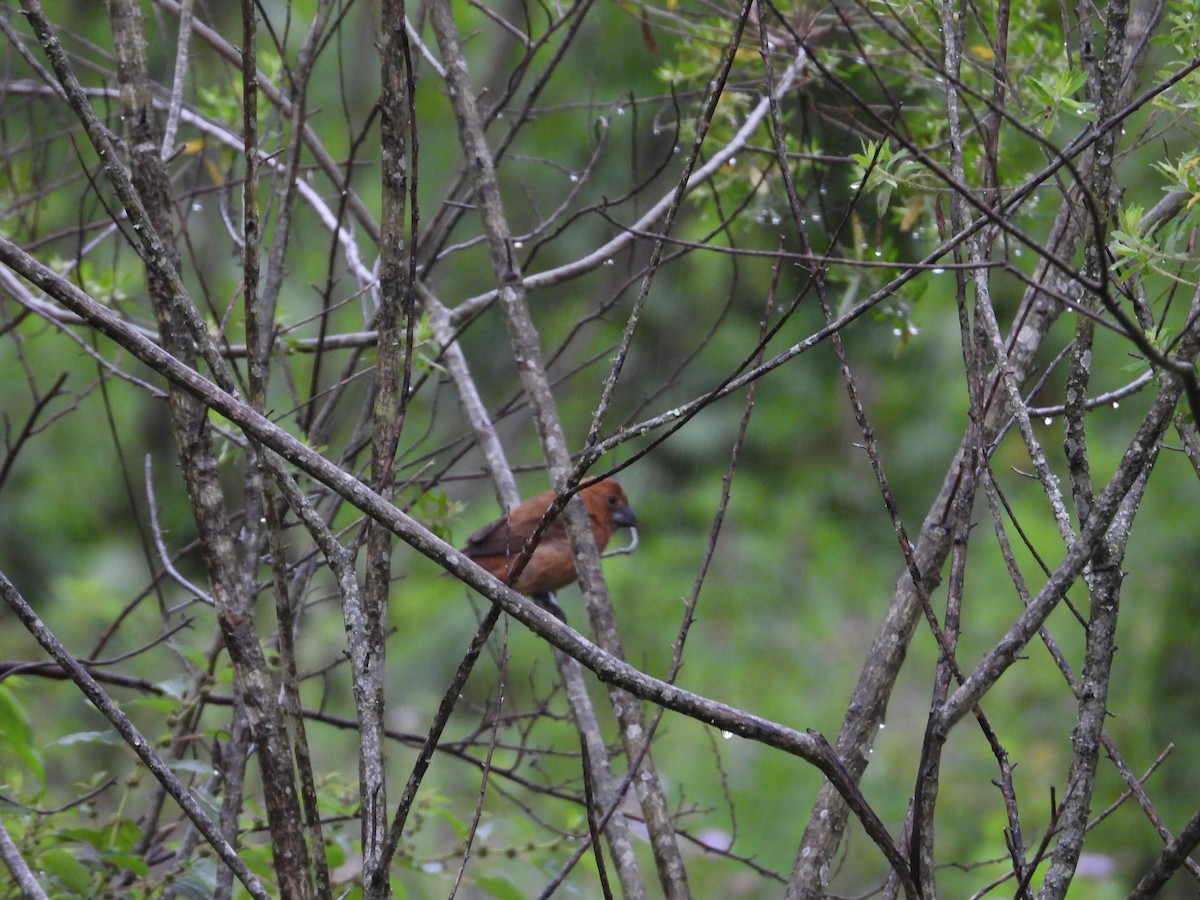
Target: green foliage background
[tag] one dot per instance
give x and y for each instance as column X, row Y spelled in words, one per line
column 806, row 560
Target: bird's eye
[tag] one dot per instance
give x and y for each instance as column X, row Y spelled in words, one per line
column 612, row 499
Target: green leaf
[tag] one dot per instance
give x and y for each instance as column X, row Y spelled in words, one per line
column 16, row 735
column 88, row 737
column 198, row 882
column 501, row 888
column 128, row 861
column 122, row 835
column 459, row 826
column 193, row 766
column 70, row 872
column 176, row 687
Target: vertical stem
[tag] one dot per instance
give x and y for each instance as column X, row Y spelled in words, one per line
column 527, row 354
column 395, row 293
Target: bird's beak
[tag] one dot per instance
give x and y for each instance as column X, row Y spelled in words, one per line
column 624, row 517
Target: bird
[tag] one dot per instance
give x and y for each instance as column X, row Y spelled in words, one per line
column 497, row 546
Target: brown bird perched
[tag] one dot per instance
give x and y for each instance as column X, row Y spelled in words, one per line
column 497, row 547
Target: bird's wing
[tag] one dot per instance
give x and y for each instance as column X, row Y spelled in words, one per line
column 503, row 538
column 493, row 538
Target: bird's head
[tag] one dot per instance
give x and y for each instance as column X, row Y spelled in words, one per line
column 606, row 502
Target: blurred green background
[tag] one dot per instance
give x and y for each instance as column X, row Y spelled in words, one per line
column 806, row 559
